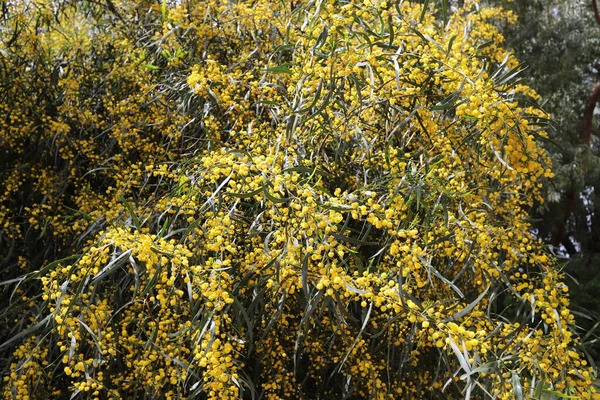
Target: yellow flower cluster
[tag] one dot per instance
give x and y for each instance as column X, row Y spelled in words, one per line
column 171, row 312
column 295, row 199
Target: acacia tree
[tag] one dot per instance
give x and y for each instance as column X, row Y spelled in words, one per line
column 278, row 200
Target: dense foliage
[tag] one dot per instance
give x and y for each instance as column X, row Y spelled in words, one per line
column 265, row 199
column 560, row 42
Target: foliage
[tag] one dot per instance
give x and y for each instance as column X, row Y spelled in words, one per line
column 560, row 42
column 274, row 199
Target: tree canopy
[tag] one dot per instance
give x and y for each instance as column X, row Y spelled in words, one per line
column 257, row 199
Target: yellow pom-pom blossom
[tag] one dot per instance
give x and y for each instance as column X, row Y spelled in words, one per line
column 347, row 216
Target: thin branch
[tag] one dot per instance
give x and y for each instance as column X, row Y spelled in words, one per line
column 588, row 114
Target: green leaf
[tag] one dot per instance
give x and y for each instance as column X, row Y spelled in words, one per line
column 445, row 12
column 464, row 363
column 132, row 214
column 280, row 69
column 53, row 264
column 424, row 12
column 26, row 332
column 354, row 289
column 267, row 102
column 559, row 394
column 151, row 67
column 517, row 387
column 450, row 43
column 468, row 308
column 276, row 200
